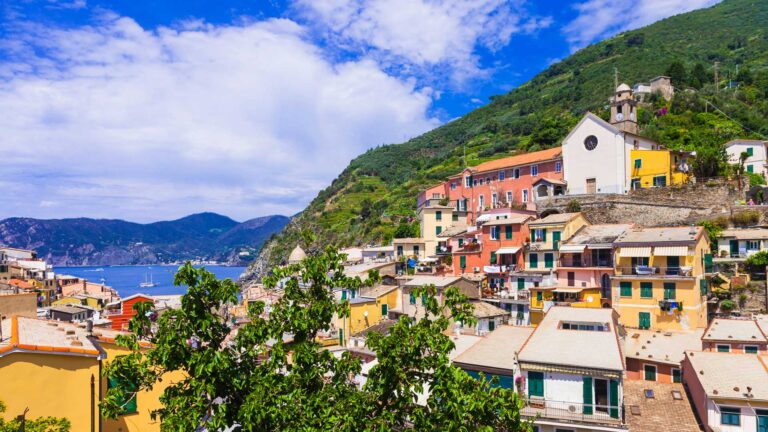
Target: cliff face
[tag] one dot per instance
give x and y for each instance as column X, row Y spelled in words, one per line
column 82, row 241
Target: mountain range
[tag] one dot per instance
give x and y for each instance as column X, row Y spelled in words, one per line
column 84, row 241
column 374, row 199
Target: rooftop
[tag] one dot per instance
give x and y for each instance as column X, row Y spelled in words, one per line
column 727, row 375
column 745, row 234
column 663, row 347
column 487, row 310
column 557, row 218
column 508, row 221
column 519, row 160
column 69, row 309
column 497, row 349
column 596, row 235
column 438, row 281
column 379, row 249
column 549, row 341
column 377, row 291
column 734, row 330
column 408, row 240
column 29, row 334
column 681, row 234
column 661, row 412
column 362, row 269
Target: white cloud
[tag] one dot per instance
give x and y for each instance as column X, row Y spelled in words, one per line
column 598, row 19
column 415, row 36
column 113, row 120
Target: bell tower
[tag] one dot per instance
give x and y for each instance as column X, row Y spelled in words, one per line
column 624, row 110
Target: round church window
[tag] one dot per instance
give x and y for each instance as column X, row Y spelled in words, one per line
column 590, row 142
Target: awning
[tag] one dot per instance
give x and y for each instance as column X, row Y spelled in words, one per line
column 601, row 246
column 483, row 218
column 572, row 248
column 568, row 290
column 670, row 250
column 508, row 250
column 429, row 260
column 635, row 252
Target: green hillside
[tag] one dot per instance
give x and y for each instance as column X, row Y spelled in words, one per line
column 374, row 198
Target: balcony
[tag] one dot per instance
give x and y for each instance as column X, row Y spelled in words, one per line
column 655, row 271
column 499, row 269
column 444, row 250
column 573, row 411
column 584, row 263
column 505, row 294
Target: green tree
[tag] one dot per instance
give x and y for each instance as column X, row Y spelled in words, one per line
column 676, row 71
column 272, row 374
column 744, row 77
column 757, row 261
column 698, row 76
column 42, row 424
column 406, row 230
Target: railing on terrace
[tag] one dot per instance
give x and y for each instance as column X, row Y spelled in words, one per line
column 497, row 293
column 654, row 271
column 565, row 262
column 573, row 411
column 444, row 250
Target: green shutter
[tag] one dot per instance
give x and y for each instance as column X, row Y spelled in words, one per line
column 556, row 239
column 423, row 299
column 587, row 395
column 614, row 399
column 493, row 257
column 463, row 261
column 128, row 399
column 750, row 151
column 533, row 260
column 704, row 286
column 750, row 168
column 625, row 289
column 708, row 263
column 384, row 310
column 508, row 232
column 438, row 230
column 670, row 291
column 520, row 283
column 544, row 235
column 549, row 260
column 491, row 325
column 343, row 294
column 341, row 336
column 649, row 373
column 644, row 320
column 638, row 163
column 539, row 296
column 438, row 215
column 461, row 243
column 646, row 289
column 535, row 384
column 413, row 298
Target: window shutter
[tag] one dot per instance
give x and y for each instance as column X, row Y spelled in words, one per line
column 343, row 294
column 614, row 399
column 544, row 235
column 413, row 298
column 508, row 231
column 463, row 261
column 493, row 257
column 587, row 392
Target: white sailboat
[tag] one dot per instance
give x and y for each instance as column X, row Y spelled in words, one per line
column 148, row 282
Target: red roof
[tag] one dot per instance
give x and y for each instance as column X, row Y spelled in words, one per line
column 518, row 160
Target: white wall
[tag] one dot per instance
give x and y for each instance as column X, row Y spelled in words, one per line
column 564, row 387
column 757, row 160
column 610, row 155
column 748, row 418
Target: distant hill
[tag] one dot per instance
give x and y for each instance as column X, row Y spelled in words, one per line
column 374, row 198
column 83, row 241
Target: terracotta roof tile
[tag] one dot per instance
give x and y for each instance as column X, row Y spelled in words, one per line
column 518, row 160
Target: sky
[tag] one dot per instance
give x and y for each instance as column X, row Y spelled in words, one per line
column 156, row 109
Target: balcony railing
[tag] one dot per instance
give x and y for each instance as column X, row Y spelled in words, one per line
column 444, row 250
column 500, row 268
column 496, row 293
column 573, row 411
column 640, row 270
column 584, row 263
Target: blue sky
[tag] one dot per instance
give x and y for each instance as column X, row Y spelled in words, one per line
column 148, row 110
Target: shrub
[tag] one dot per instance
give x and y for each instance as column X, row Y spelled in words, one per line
column 757, row 261
column 727, row 305
column 573, row 206
column 755, row 179
column 746, row 218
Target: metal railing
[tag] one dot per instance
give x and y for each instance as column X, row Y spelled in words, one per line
column 574, row 411
column 564, row 262
column 655, row 271
column 505, row 294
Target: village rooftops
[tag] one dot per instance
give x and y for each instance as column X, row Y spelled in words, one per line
column 487, row 310
column 513, row 220
column 554, row 219
column 667, row 408
column 745, row 141
column 596, row 236
column 70, row 309
column 377, row 291
column 437, row 281
column 728, row 376
column 663, row 347
column 379, row 249
column 496, row 352
column 682, row 235
column 408, row 240
column 734, row 330
column 558, row 333
column 361, row 270
column 517, row 161
column 452, row 231
column 21, row 284
column 745, row 234
column 21, row 334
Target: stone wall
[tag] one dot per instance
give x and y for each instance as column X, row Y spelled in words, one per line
column 654, row 206
column 18, row 304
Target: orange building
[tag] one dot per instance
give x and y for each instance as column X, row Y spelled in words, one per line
column 121, row 311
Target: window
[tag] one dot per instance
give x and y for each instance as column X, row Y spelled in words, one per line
column 438, row 230
column 660, row 181
column 750, row 151
column 539, row 295
column 533, row 260
column 649, row 372
column 494, row 199
column 724, row 348
column 438, row 215
column 416, row 250
column 676, row 376
column 509, row 197
column 534, row 170
column 750, row 349
column 508, row 232
column 463, row 261
column 730, row 416
column 474, row 182
column 644, row 320
column 502, row 175
column 540, row 235
column 549, row 260
column 413, row 299
column 535, row 384
column 128, row 399
column 424, row 299
column 468, row 181
column 635, row 184
column 625, row 289
column 481, row 182
column 481, row 200
column 750, row 168
column 525, row 195
column 399, row 251
column 455, row 217
column 494, row 233
column 493, row 257
column 516, row 173
column 638, row 163
column 488, row 180
column 453, row 186
column 753, row 245
column 461, row 243
column 703, row 287
column 343, row 294
column 583, row 326
column 670, row 291
column 646, row 290
column 558, row 167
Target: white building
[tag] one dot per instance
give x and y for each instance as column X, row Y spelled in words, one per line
column 579, row 391
column 597, row 154
column 741, row 242
column 756, row 161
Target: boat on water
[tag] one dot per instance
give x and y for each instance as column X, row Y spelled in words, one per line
column 148, row 282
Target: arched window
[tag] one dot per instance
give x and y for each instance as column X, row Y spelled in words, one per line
column 542, row 191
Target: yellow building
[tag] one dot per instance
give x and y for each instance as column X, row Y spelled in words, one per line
column 542, row 298
column 53, row 368
column 367, row 308
column 659, row 168
column 80, row 300
column 433, row 220
column 546, row 235
column 660, row 279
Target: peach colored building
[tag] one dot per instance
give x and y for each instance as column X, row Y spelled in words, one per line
column 734, row 336
column 657, row 356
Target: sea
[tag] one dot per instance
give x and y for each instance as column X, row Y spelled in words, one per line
column 126, row 279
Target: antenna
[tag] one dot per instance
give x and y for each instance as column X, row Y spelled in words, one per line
column 615, row 78
column 717, row 87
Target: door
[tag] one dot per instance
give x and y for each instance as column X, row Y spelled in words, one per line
column 601, row 395
column 673, row 265
column 571, row 279
column 734, row 244
column 591, row 186
column 605, row 286
column 556, row 240
column 491, row 325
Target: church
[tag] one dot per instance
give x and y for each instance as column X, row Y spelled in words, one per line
column 602, row 157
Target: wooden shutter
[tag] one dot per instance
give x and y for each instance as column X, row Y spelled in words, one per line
column 536, row 384
column 508, row 232
column 587, row 392
column 614, row 399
